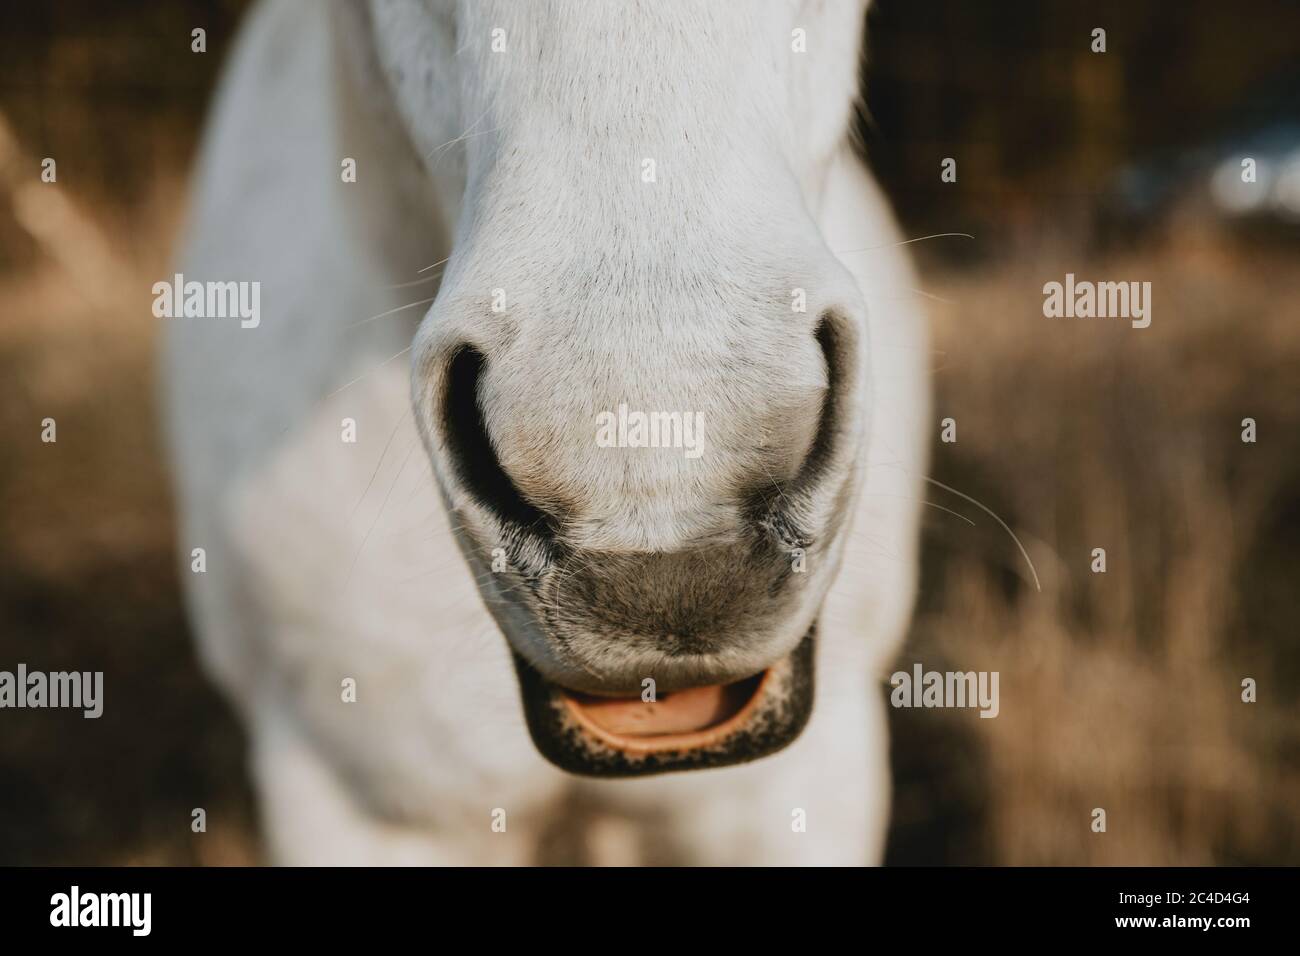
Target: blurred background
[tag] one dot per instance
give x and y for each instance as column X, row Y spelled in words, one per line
column 1119, row 690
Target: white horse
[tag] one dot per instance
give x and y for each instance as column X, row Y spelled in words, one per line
column 447, row 612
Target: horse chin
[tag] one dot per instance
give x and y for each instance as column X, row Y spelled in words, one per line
column 712, row 726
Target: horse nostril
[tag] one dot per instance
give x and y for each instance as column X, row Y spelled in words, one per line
column 796, row 515
column 473, row 459
column 832, row 337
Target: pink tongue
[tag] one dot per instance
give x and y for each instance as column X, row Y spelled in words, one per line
column 678, row 712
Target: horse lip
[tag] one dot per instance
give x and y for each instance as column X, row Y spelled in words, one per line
column 768, row 712
column 782, row 710
column 711, row 714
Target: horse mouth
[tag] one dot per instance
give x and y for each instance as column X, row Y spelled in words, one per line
column 711, row 726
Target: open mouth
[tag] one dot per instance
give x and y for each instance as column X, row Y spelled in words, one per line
column 711, row 726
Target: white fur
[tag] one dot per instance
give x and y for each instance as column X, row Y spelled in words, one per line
column 328, row 560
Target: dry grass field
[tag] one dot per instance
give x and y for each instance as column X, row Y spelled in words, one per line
column 1120, row 690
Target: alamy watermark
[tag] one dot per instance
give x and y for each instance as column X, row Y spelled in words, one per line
column 208, row 300
column 1101, row 300
column 633, row 429
column 922, row 688
column 75, row 908
column 36, row 689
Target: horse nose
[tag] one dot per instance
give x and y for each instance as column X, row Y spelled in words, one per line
column 542, row 448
